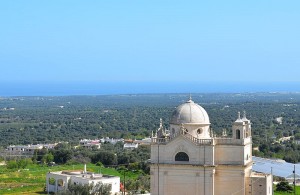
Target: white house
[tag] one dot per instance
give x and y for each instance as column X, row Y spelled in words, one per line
column 111, row 140
column 57, row 181
column 130, row 146
column 87, row 143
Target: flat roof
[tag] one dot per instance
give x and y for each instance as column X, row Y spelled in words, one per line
column 81, row 174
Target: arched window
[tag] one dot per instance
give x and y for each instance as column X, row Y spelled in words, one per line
column 173, row 131
column 238, row 134
column 186, row 131
column 199, row 131
column 60, row 182
column 181, row 156
column 52, row 181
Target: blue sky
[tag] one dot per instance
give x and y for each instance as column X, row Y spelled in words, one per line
column 149, row 41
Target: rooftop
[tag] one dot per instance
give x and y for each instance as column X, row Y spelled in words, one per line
column 279, row 167
column 81, row 174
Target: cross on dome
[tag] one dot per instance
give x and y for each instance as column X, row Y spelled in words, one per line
column 190, row 99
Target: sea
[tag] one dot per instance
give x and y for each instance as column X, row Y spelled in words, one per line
column 111, row 88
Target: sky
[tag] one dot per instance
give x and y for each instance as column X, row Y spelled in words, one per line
column 144, row 41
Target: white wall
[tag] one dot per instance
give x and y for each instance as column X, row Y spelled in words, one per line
column 197, row 154
column 181, row 180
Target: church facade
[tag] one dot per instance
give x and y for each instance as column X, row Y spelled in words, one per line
column 187, row 159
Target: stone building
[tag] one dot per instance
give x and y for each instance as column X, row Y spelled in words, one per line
column 188, row 159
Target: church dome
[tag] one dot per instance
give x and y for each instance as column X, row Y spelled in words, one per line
column 189, row 112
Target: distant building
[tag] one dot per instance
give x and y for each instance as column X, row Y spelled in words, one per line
column 23, row 149
column 57, row 181
column 27, row 149
column 111, row 140
column 285, row 139
column 49, row 146
column 297, row 141
column 130, row 146
column 87, row 143
column 189, row 159
column 8, row 109
column 133, row 144
column 145, row 141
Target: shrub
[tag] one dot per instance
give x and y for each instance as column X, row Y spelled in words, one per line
column 284, row 186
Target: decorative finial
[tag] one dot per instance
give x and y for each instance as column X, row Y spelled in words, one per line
column 239, row 115
column 160, row 123
column 244, row 114
column 182, row 126
column 190, row 99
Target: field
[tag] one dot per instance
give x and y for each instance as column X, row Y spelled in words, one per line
column 32, row 179
column 286, row 193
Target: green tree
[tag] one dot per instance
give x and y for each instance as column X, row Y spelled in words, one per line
column 101, row 189
column 18, row 164
column 284, row 186
column 105, row 157
column 47, row 158
column 297, row 136
column 145, row 182
column 22, row 163
column 35, row 156
column 79, row 189
column 12, row 164
column 62, row 155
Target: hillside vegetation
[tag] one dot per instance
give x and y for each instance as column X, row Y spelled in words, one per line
column 31, row 120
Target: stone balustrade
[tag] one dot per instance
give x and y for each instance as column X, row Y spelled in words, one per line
column 185, row 134
column 230, row 141
column 212, row 141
